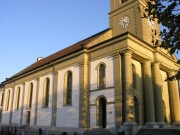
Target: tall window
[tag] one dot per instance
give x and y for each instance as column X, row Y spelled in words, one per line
column 7, row 100
column 30, row 92
column 102, row 76
column 134, row 75
column 46, row 93
column 68, row 88
column 17, row 98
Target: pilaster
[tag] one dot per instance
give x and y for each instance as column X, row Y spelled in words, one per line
column 22, row 103
column 12, row 100
column 118, row 89
column 84, row 93
column 36, row 101
column 54, row 98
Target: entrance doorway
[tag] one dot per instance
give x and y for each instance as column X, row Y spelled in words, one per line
column 102, row 112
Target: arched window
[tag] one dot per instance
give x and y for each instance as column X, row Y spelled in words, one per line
column 102, row 76
column 68, row 88
column 136, row 107
column 46, row 93
column 17, row 98
column 30, row 92
column 7, row 100
column 134, row 75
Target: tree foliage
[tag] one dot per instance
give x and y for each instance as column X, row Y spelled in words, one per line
column 167, row 13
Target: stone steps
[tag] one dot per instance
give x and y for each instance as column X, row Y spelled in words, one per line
column 99, row 131
column 163, row 131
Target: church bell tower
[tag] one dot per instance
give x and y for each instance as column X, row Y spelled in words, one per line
column 127, row 16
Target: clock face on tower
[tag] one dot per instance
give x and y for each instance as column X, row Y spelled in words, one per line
column 124, row 22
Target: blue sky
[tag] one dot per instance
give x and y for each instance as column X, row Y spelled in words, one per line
column 33, row 28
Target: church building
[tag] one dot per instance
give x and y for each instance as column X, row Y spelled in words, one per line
column 113, row 80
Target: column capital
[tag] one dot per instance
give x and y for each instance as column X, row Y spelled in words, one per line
column 86, row 50
column 156, row 62
column 128, row 51
column 116, row 54
column 156, row 66
column 37, row 79
column 83, row 63
column 146, row 60
column 55, row 73
column 171, row 72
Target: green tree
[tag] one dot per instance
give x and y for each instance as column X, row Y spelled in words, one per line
column 167, row 13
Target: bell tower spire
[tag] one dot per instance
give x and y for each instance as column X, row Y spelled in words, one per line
column 127, row 16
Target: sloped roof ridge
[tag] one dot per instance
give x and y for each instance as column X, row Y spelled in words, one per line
column 64, row 52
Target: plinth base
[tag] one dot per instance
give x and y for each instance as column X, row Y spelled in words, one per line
column 130, row 128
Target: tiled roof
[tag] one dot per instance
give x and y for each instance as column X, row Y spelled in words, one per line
column 62, row 53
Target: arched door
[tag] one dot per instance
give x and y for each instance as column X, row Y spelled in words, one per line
column 102, row 112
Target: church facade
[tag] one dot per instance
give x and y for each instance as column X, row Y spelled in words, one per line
column 113, row 79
